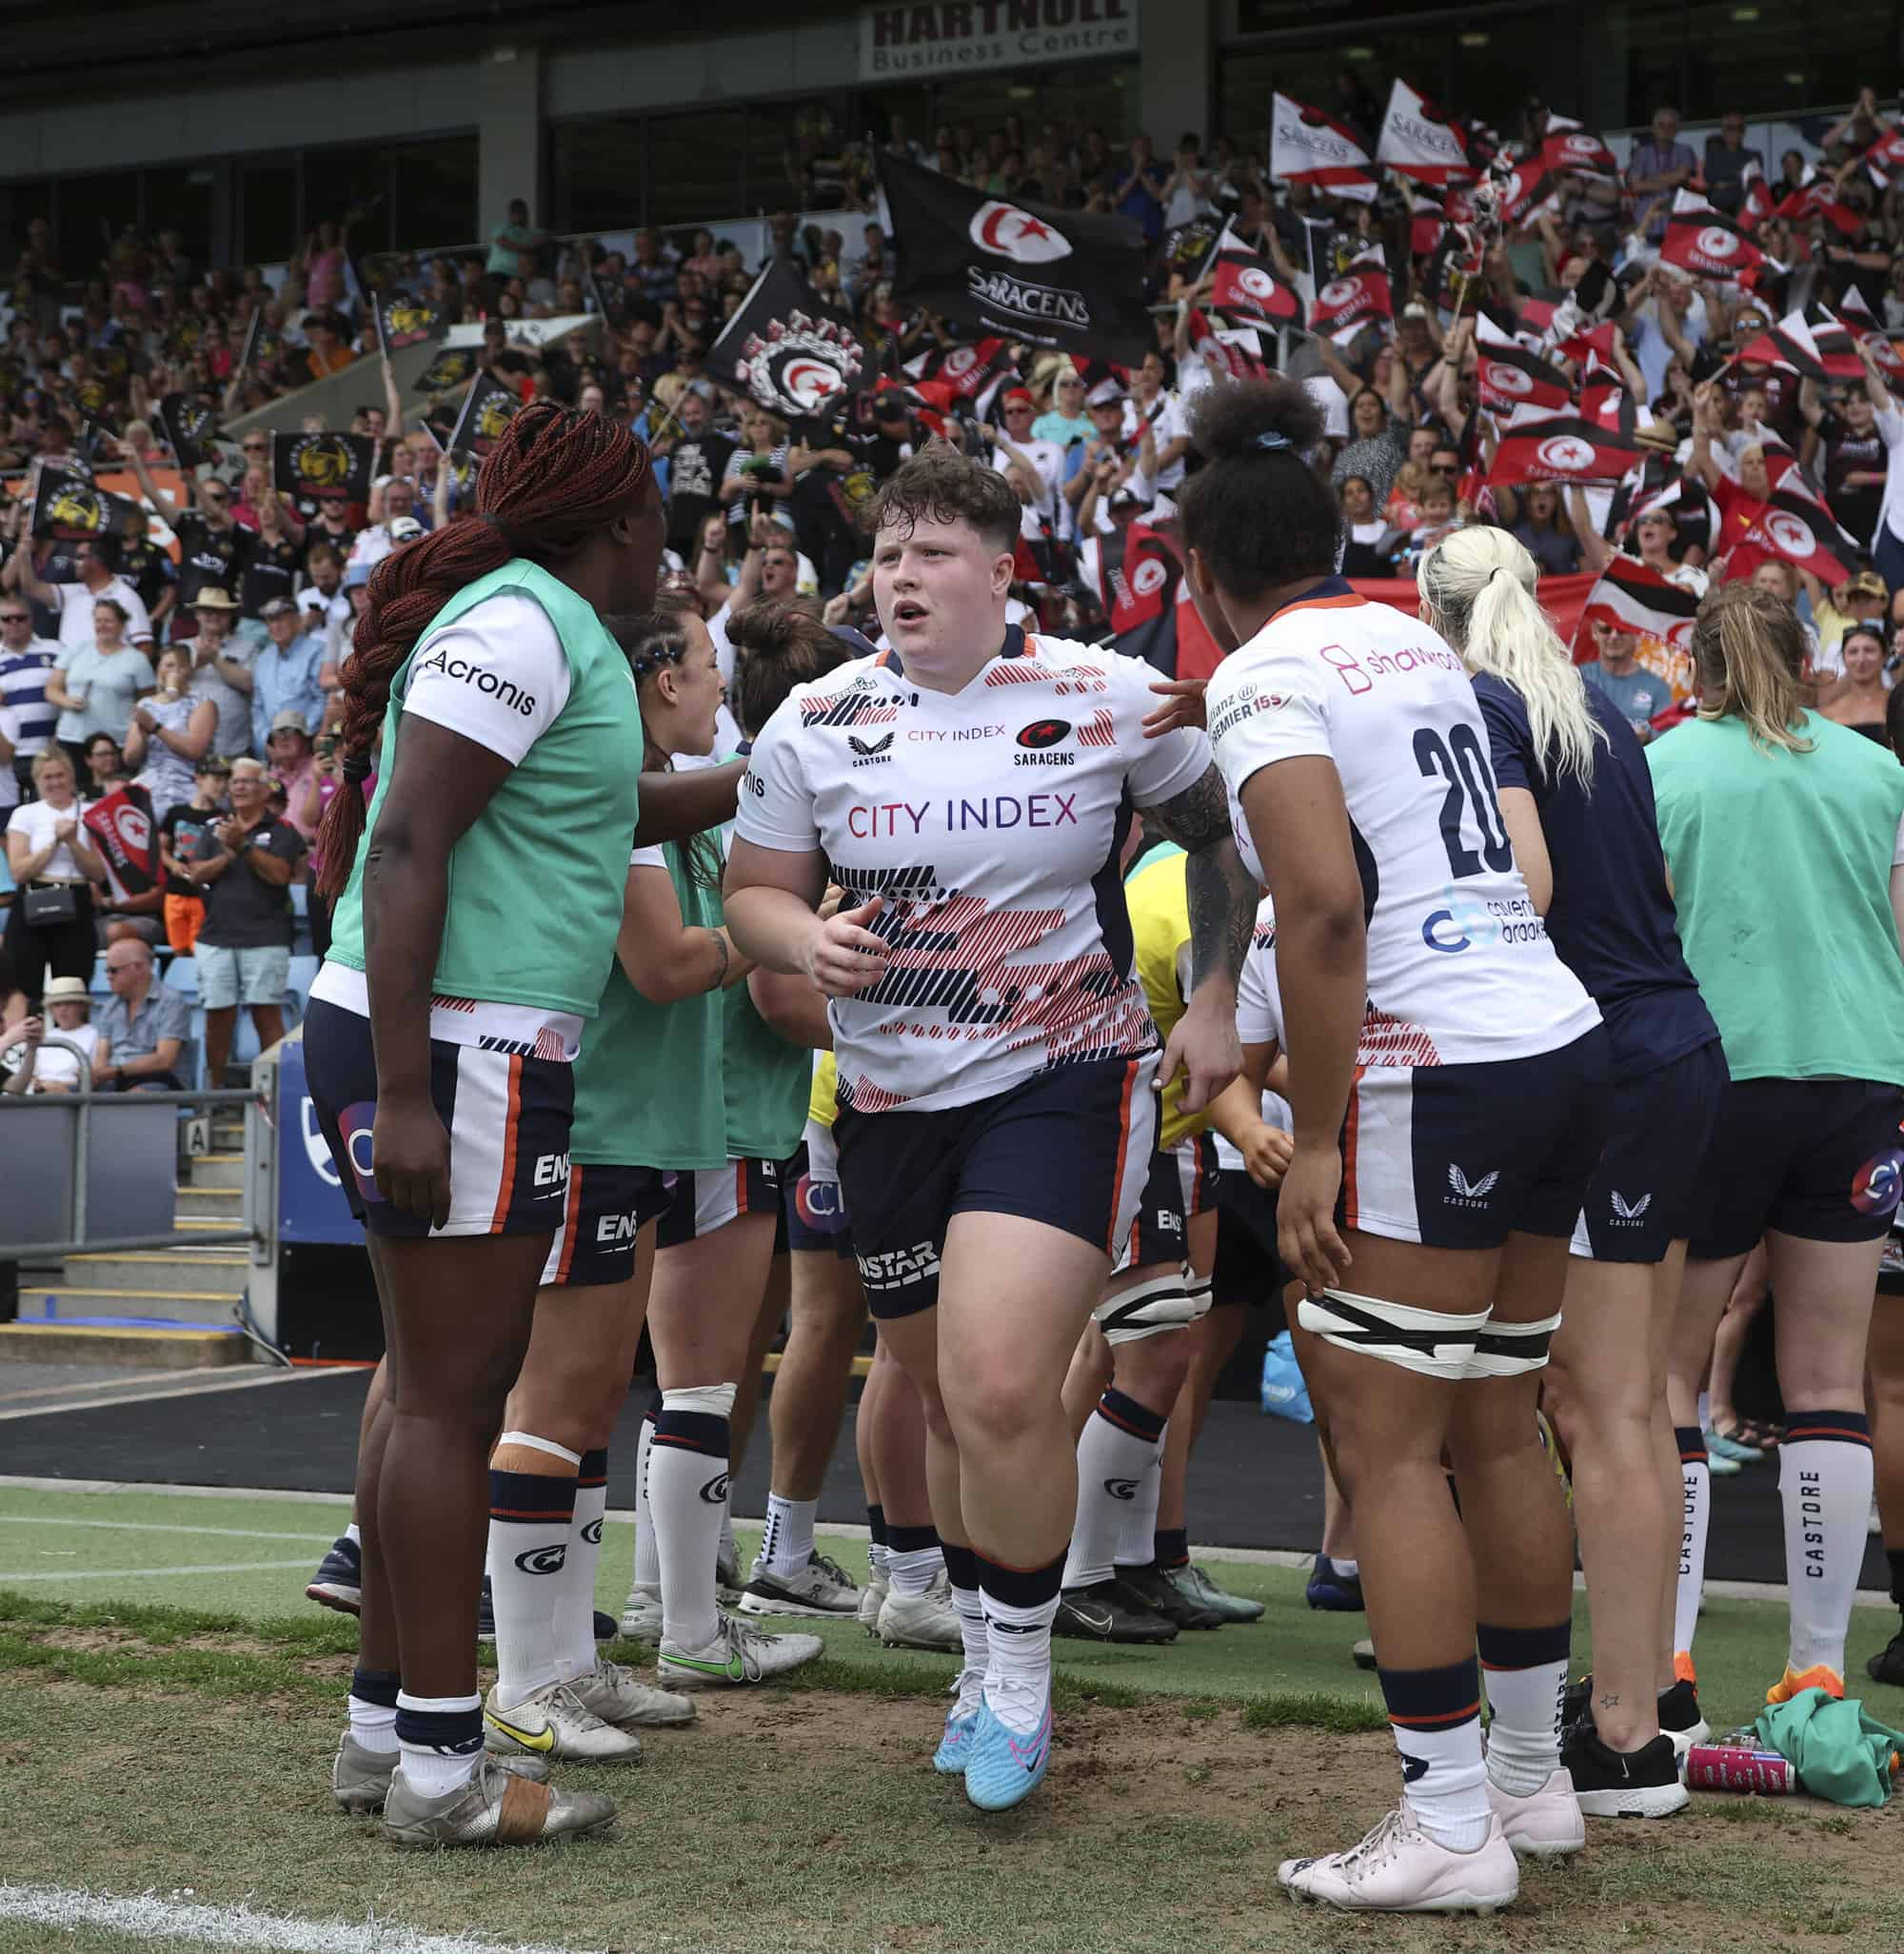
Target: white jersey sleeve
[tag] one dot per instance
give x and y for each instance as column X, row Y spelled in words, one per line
column 776, row 809
column 1159, row 769
column 1258, row 996
column 648, row 857
column 498, row 676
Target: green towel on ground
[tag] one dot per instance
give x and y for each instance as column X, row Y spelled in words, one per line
column 1839, row 1752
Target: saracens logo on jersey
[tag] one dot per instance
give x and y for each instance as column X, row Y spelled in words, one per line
column 1008, row 232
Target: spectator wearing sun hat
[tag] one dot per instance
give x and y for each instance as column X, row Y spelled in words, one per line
column 284, row 675
column 221, row 668
column 69, row 1006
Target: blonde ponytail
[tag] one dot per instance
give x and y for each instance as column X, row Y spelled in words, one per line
column 1477, row 590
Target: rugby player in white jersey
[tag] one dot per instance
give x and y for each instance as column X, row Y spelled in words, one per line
column 971, row 788
column 1449, row 1078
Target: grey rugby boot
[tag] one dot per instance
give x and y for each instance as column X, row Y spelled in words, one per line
column 359, row 1779
column 498, row 1807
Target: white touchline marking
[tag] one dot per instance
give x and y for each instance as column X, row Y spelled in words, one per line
column 8, row 1580
column 28, row 1482
column 159, row 1527
column 149, row 1918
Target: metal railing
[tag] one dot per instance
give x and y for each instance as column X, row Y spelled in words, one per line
column 84, row 1103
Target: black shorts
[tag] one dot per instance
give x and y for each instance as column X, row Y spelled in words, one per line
column 1070, row 1147
column 1785, row 1155
column 1640, row 1198
column 708, row 1198
column 812, row 1213
column 507, row 1115
column 1461, row 1156
column 1249, row 1270
column 606, row 1208
column 1157, row 1231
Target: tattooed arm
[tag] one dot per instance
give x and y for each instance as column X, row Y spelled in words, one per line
column 1222, row 900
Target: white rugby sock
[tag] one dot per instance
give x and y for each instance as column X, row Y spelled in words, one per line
column 1021, row 1604
column 1824, row 1484
column 1697, row 1480
column 647, row 1557
column 354, row 1534
column 1526, row 1675
column 575, row 1589
column 441, row 1739
column 787, row 1544
column 688, row 1489
column 914, row 1558
column 531, row 1508
column 1121, row 1447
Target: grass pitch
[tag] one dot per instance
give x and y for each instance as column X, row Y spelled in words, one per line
column 173, row 1703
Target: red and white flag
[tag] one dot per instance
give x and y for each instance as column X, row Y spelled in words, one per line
column 1885, row 158
column 1305, row 145
column 1419, row 141
column 1525, row 191
column 1604, row 400
column 1559, row 447
column 1756, row 206
column 1509, row 376
column 1797, row 526
column 1576, row 149
column 1633, row 598
column 1701, row 241
column 1246, row 286
column 1836, row 344
column 1789, row 344
column 1345, row 305
column 1818, row 193
column 1234, row 351
column 1858, row 316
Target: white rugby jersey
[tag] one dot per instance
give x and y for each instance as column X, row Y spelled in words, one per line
column 991, row 822
column 1459, row 967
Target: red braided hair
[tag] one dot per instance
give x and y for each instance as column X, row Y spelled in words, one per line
column 554, row 478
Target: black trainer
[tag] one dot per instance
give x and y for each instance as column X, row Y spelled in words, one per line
column 1887, row 1666
column 1105, row 1612
column 1150, row 1587
column 1622, row 1784
column 1680, row 1718
column 339, row 1580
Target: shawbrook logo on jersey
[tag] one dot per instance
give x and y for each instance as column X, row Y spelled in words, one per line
column 467, row 672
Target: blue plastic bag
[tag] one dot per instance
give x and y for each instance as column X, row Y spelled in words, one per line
column 1284, row 1393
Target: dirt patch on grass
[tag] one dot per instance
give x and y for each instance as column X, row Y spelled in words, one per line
column 780, row 1822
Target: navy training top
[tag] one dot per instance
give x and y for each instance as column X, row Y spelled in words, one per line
column 1611, row 917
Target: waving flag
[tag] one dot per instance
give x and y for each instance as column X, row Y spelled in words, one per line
column 1756, row 207
column 1658, row 485
column 1797, row 526
column 1559, row 447
column 1701, row 241
column 1818, row 193
column 187, row 422
column 1857, row 314
column 1885, row 158
column 1305, row 145
column 1789, row 344
column 1633, row 598
column 1023, row 271
column 403, row 321
column 782, row 350
column 1345, row 305
column 1578, row 149
column 1136, row 584
column 1234, row 351
column 1511, row 377
column 1246, row 285
column 1836, row 344
column 1418, row 141
column 1604, row 400
column 120, row 828
column 1524, row 191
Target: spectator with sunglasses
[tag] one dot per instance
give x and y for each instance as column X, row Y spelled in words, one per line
column 213, row 548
